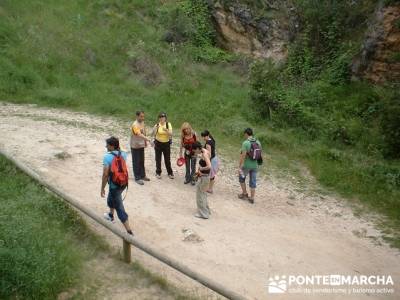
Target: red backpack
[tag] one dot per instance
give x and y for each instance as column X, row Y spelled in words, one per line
column 119, row 171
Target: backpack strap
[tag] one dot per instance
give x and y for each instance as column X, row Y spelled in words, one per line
column 116, row 155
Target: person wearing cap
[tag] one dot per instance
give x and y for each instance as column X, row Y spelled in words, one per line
column 162, row 132
column 188, row 138
column 138, row 142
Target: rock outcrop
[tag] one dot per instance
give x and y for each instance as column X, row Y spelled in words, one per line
column 240, row 31
column 379, row 58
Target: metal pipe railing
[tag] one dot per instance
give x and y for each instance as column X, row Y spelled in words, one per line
column 128, row 240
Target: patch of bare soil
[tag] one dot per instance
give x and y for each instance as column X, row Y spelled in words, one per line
column 288, row 231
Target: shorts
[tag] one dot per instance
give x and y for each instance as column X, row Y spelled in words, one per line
column 253, row 177
column 214, row 167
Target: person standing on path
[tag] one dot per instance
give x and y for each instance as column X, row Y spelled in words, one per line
column 162, row 132
column 138, row 142
column 250, row 158
column 114, row 198
column 203, row 174
column 188, row 138
column 210, row 146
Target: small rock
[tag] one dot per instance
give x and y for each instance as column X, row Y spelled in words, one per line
column 290, row 203
column 190, row 236
column 63, row 155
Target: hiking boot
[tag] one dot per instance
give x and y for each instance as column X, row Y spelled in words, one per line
column 243, row 196
column 158, row 176
column 109, row 217
column 146, row 179
column 251, row 200
column 171, row 176
column 139, row 182
column 186, row 181
column 200, row 216
column 193, row 182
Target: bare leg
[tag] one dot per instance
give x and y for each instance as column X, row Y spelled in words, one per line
column 126, row 225
column 253, row 193
column 211, row 185
column 243, row 186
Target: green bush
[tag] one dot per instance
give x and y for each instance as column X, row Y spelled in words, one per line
column 390, row 124
column 190, row 21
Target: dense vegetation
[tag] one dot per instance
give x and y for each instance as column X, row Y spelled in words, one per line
column 112, row 57
column 41, row 250
column 349, row 130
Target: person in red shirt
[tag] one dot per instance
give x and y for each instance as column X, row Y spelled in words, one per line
column 188, row 138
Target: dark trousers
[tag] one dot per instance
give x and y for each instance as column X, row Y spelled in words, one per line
column 114, row 200
column 163, row 149
column 138, row 163
column 190, row 163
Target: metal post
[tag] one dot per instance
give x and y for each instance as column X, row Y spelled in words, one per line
column 126, row 247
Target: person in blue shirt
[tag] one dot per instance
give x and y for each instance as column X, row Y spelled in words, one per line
column 114, row 198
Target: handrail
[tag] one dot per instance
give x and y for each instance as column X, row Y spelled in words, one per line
column 128, row 239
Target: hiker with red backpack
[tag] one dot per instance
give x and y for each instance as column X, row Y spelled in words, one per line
column 250, row 159
column 188, row 138
column 115, row 173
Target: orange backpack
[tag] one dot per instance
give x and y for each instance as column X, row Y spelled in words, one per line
column 119, row 171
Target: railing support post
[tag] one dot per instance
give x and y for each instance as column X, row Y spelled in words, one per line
column 126, row 251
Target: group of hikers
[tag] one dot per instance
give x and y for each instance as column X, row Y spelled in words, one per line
column 200, row 160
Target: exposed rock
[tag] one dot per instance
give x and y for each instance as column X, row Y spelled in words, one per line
column 240, row 31
column 379, row 60
column 190, row 236
column 62, row 155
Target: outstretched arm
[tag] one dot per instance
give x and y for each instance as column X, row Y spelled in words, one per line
column 136, row 131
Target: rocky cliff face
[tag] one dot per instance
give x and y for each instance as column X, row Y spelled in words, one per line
column 379, row 58
column 241, row 31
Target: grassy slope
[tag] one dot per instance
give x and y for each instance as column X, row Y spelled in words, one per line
column 78, row 54
column 43, row 243
column 46, row 248
column 48, row 59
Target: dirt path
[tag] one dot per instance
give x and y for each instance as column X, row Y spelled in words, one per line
column 287, row 232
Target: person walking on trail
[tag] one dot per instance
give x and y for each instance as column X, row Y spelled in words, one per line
column 188, row 138
column 138, row 142
column 210, row 146
column 162, row 144
column 203, row 175
column 250, row 158
column 115, row 174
